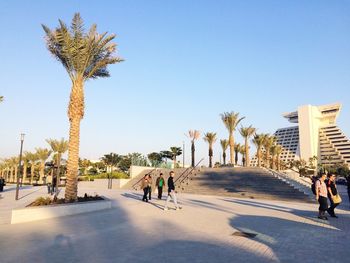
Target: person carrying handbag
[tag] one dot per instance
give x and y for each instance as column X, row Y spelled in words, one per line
column 333, row 195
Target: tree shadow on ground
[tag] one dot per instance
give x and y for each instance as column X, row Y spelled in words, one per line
column 114, row 236
column 307, row 214
column 293, row 241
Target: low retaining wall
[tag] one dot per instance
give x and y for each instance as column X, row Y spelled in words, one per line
column 103, row 183
column 45, row 212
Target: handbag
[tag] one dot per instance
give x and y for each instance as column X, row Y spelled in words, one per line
column 336, row 199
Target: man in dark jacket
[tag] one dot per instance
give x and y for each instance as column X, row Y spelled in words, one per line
column 171, row 192
column 160, row 182
column 2, row 184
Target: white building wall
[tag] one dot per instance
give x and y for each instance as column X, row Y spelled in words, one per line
column 309, row 123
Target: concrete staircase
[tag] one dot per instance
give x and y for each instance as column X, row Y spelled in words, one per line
column 248, row 182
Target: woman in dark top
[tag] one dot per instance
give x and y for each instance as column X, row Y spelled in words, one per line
column 348, row 181
column 332, row 191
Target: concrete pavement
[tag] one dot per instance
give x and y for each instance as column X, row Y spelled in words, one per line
column 134, row 231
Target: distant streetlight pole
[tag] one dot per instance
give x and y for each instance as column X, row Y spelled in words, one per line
column 20, row 166
column 183, row 154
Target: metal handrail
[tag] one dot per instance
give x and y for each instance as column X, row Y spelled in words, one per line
column 191, row 171
column 149, row 173
column 182, row 174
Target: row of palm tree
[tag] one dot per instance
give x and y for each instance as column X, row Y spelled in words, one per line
column 267, row 144
column 268, row 151
column 35, row 160
column 231, row 121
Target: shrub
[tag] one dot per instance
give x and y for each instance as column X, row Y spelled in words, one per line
column 113, row 175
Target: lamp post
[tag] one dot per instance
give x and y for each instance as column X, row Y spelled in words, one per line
column 20, row 165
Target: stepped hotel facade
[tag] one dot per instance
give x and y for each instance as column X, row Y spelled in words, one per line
column 316, row 133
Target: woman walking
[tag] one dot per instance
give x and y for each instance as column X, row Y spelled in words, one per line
column 145, row 188
column 333, row 195
column 321, row 197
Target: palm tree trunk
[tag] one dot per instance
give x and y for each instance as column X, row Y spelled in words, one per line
column 24, row 172
column 174, row 162
column 246, row 153
column 16, row 173
column 72, row 163
column 42, row 167
column 75, row 114
column 192, row 154
column 32, row 172
column 259, row 157
column 236, row 157
column 224, row 157
column 210, row 157
column 231, row 141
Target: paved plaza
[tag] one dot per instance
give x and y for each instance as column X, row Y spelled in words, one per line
column 134, row 231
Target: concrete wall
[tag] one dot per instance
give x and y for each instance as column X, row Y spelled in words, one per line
column 137, row 170
column 103, row 183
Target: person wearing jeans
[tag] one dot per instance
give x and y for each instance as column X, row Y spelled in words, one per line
column 145, row 187
column 171, row 192
column 332, row 191
column 321, row 197
column 160, row 182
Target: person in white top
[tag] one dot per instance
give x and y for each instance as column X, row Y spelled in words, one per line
column 321, row 196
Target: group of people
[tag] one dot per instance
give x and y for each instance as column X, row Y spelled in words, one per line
column 146, row 186
column 326, row 189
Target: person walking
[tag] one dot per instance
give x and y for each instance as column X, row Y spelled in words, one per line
column 54, row 184
column 333, row 196
column 2, row 184
column 160, row 184
column 321, row 197
column 348, row 185
column 49, row 183
column 150, row 187
column 144, row 187
column 171, row 192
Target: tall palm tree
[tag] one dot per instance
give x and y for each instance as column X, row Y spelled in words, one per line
column 43, row 155
column 58, row 147
column 246, row 133
column 84, row 56
column 273, row 152
column 237, row 148
column 224, row 146
column 25, row 166
column 32, row 159
column 278, row 152
column 231, row 120
column 194, row 135
column 210, row 138
column 258, row 141
column 7, row 165
column 14, row 162
column 111, row 160
column 175, row 151
column 241, row 150
column 269, row 141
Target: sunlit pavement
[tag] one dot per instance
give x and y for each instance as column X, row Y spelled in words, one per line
column 134, row 231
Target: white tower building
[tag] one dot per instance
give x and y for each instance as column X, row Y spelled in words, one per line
column 316, row 134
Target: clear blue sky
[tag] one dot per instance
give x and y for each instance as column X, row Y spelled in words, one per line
column 185, row 63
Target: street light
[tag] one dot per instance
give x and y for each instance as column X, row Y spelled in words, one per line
column 20, row 165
